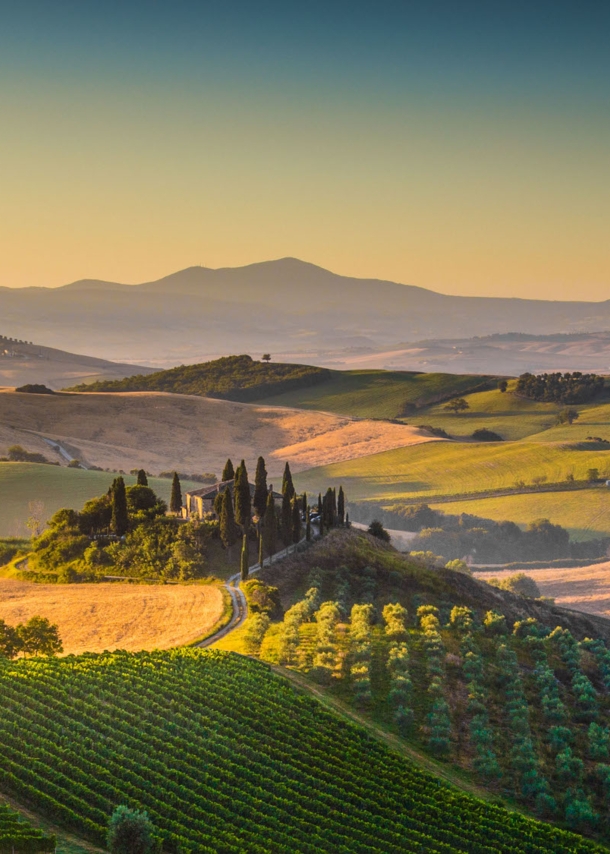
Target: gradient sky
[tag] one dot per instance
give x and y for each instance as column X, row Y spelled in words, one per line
column 460, row 146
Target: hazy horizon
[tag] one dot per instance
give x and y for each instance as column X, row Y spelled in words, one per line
column 461, row 148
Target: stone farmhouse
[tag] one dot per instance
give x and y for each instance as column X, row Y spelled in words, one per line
column 200, row 502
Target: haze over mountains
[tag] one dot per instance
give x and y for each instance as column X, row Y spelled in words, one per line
column 303, row 313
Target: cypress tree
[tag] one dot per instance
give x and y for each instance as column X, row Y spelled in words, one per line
column 260, row 488
column 319, row 503
column 308, row 528
column 175, row 501
column 119, row 519
column 333, row 506
column 286, row 520
column 341, row 507
column 304, row 504
column 218, row 503
column 296, row 520
column 228, row 472
column 270, row 526
column 287, row 484
column 142, row 479
column 261, row 549
column 243, row 505
column 244, row 563
column 228, row 533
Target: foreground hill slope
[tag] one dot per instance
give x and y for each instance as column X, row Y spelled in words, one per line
column 198, row 312
column 227, row 757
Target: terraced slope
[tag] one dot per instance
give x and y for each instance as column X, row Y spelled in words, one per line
column 227, row 757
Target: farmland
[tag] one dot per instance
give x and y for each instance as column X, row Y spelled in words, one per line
column 108, row 616
column 585, row 513
column 229, row 758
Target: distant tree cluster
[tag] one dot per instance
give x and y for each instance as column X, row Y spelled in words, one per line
column 17, row 454
column 36, row 637
column 35, row 388
column 231, row 378
column 567, row 388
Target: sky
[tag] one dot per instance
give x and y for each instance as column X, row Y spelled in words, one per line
column 459, row 146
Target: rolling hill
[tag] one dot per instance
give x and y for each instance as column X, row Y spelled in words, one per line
column 22, row 362
column 285, row 306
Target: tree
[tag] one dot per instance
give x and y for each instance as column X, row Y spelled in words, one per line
column 266, row 357
column 270, row 526
column 287, row 484
column 228, row 532
column 261, row 549
column 129, row 832
column 286, row 519
column 260, row 488
column 244, row 564
column 175, row 502
column 593, row 475
column 503, row 385
column 38, row 637
column 243, row 504
column 568, row 416
column 118, row 497
column 142, row 478
column 228, row 472
column 341, row 507
column 377, row 530
column 307, row 526
column 458, row 405
column 296, row 520
column 9, row 642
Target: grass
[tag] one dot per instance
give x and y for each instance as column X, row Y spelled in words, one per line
column 376, row 394
column 451, row 468
column 53, row 487
column 585, row 513
column 116, row 615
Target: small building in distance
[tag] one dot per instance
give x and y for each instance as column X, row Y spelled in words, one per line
column 199, row 503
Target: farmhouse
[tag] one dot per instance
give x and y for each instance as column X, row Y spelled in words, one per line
column 200, row 502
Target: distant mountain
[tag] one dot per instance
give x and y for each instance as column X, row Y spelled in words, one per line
column 23, row 362
column 285, row 306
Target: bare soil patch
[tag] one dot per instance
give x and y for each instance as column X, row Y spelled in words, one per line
column 108, row 616
column 158, row 431
column 582, row 589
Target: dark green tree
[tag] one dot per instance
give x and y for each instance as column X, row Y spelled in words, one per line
column 270, row 526
column 218, row 503
column 377, row 530
column 175, row 501
column 228, row 529
column 228, row 472
column 341, row 507
column 243, row 505
column 307, row 526
column 320, row 503
column 142, row 478
column 38, row 637
column 261, row 548
column 287, row 484
column 244, row 564
column 10, row 644
column 304, row 503
column 286, row 519
column 119, row 520
column 503, row 385
column 260, row 488
column 129, row 832
column 296, row 520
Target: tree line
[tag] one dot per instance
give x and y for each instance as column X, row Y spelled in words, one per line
column 568, row 388
column 35, row 637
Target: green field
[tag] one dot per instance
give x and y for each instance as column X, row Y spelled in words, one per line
column 227, row 757
column 53, row 487
column 377, row 394
column 452, row 468
column 584, row 513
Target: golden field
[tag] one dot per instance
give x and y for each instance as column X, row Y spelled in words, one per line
column 108, row 616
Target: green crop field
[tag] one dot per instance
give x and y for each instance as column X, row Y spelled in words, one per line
column 452, row 468
column 225, row 756
column 376, row 394
column 19, row 837
column 53, row 487
column 584, row 513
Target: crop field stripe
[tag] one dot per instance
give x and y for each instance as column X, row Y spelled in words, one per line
column 265, row 787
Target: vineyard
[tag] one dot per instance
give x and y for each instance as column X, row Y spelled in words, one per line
column 18, row 836
column 225, row 756
column 523, row 709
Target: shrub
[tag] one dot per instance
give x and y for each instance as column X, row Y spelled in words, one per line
column 484, row 435
column 377, row 530
column 129, row 832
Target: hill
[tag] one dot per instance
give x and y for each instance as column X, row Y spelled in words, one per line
column 285, row 306
column 512, row 693
column 161, row 432
column 229, row 758
column 364, row 394
column 22, row 362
